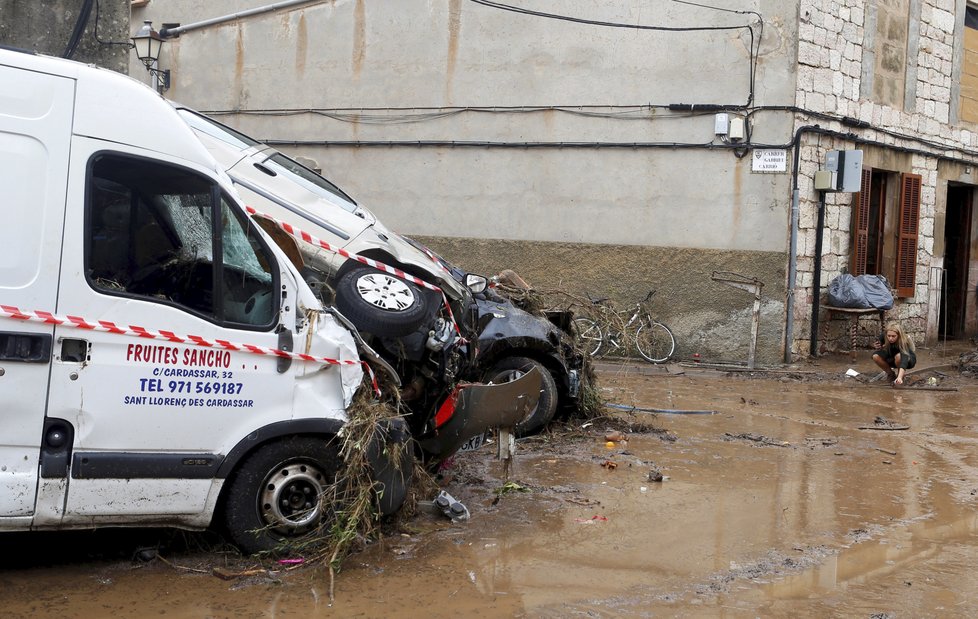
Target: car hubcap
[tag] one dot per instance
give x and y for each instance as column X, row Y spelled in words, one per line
column 386, row 292
column 291, row 498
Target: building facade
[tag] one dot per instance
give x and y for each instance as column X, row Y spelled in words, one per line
column 609, row 148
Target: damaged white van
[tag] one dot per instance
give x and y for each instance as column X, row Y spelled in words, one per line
column 161, row 360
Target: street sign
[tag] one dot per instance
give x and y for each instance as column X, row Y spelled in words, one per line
column 769, row 160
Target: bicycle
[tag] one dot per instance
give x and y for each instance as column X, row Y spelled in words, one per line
column 653, row 339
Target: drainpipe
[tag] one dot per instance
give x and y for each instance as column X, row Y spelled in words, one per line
column 793, row 242
column 817, row 276
column 173, row 32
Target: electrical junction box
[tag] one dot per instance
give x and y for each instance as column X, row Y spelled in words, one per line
column 846, row 167
column 736, row 128
column 825, row 180
column 721, row 124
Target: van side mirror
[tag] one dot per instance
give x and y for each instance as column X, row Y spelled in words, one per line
column 476, row 283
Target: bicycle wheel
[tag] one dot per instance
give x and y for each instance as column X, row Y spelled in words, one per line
column 655, row 342
column 588, row 335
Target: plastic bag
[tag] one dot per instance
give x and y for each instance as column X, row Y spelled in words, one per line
column 877, row 291
column 846, row 291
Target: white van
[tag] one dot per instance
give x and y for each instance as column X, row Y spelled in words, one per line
column 143, row 320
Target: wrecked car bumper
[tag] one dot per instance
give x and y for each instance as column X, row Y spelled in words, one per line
column 477, row 408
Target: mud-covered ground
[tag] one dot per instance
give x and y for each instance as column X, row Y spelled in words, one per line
column 775, row 494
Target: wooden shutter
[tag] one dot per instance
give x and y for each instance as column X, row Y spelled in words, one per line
column 860, row 224
column 906, row 255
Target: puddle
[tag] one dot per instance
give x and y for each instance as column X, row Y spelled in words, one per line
column 818, row 519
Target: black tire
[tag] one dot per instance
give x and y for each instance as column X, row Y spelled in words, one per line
column 655, row 342
column 380, row 303
column 511, row 368
column 263, row 515
column 588, row 335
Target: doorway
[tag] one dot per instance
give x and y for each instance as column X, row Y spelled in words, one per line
column 957, row 241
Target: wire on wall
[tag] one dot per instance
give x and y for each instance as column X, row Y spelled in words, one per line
column 754, row 47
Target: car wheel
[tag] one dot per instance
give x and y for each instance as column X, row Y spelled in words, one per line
column 276, row 496
column 510, row 369
column 379, row 303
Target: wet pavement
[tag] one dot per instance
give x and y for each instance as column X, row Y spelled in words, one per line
column 778, row 505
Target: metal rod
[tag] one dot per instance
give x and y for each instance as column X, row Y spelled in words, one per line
column 172, row 32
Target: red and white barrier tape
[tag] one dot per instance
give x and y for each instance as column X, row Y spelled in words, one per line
column 105, row 326
column 304, row 236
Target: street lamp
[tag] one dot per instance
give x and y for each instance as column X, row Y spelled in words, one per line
column 148, row 44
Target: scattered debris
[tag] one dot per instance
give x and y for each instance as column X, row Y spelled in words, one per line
column 614, row 436
column 226, row 574
column 296, row 561
column 591, row 520
column 663, row 411
column 823, row 441
column 583, row 501
column 182, row 567
column 610, row 465
column 511, row 486
column 757, row 438
column 655, row 475
column 451, row 508
column 886, row 451
column 881, row 423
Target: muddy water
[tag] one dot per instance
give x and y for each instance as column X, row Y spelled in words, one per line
column 776, row 506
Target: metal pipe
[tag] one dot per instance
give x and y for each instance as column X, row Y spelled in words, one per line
column 817, row 275
column 793, row 242
column 173, row 32
column 792, row 274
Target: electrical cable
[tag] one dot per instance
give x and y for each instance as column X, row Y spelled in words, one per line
column 739, row 148
column 79, row 29
column 753, row 53
column 128, row 44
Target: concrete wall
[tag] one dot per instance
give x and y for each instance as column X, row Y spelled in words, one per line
column 708, row 317
column 47, row 27
column 380, row 74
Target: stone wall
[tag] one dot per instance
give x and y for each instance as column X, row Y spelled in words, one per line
column 839, row 73
column 47, row 27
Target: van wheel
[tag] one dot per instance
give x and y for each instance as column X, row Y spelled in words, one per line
column 511, row 368
column 379, row 303
column 276, row 497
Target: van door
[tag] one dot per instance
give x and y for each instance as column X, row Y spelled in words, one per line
column 157, row 246
column 35, row 125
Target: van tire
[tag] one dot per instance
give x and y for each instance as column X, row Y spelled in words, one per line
column 379, row 303
column 511, row 368
column 262, row 514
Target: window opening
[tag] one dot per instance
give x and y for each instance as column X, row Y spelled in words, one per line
column 885, row 219
column 151, row 234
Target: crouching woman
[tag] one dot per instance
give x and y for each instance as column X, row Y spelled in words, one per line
column 895, row 353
